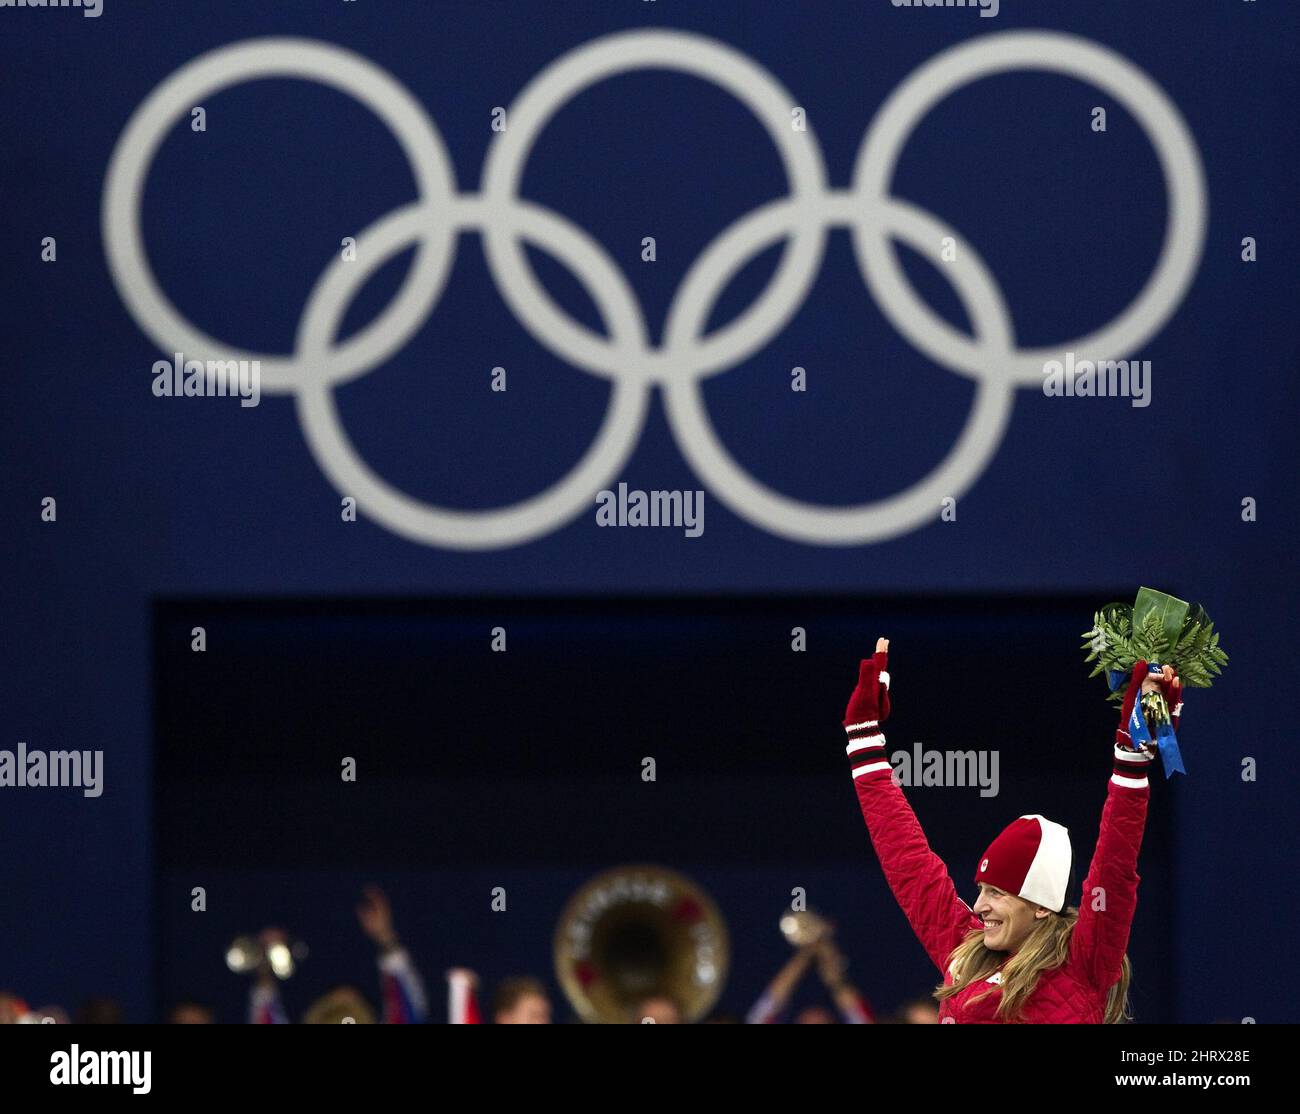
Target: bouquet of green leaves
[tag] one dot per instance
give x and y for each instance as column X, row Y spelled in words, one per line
column 1157, row 628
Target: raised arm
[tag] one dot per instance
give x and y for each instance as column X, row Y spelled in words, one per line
column 832, row 966
column 1109, row 899
column 400, row 984
column 264, row 1005
column 916, row 875
column 402, row 989
column 776, row 995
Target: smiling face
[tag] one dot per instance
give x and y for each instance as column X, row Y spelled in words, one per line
column 1008, row 920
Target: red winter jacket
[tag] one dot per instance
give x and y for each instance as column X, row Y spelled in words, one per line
column 1073, row 992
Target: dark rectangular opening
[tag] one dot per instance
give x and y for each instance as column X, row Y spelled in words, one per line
column 524, row 769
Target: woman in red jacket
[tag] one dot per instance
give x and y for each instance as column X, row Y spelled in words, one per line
column 1020, row 955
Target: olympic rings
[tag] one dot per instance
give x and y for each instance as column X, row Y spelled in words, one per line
column 625, row 354
column 217, row 70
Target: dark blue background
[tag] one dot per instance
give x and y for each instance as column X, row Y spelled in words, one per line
column 166, row 497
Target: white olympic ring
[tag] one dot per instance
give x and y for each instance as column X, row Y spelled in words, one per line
column 625, row 355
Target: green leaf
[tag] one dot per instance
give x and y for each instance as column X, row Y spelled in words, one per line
column 1121, row 635
column 1169, row 612
column 1149, row 637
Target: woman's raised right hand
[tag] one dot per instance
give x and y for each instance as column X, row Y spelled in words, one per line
column 870, row 700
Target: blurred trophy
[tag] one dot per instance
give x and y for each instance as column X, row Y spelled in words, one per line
column 270, row 950
column 804, row 928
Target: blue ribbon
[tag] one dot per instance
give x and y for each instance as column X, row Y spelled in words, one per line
column 1166, row 740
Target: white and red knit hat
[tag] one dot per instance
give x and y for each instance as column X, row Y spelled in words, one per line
column 1031, row 859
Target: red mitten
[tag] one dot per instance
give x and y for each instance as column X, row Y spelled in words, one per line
column 868, row 708
column 1174, row 698
column 1140, row 671
column 1172, row 689
column 869, row 703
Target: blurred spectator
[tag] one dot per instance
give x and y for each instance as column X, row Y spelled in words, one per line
column 462, row 997
column 98, row 1011
column 264, row 1005
column 919, row 1011
column 831, row 967
column 342, row 1005
column 774, row 999
column 521, row 1001
column 660, row 1009
column 404, row 998
column 11, row 1008
column 401, row 987
column 190, row 1013
column 14, row 1011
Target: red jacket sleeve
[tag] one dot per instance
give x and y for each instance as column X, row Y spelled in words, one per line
column 915, row 874
column 1109, row 897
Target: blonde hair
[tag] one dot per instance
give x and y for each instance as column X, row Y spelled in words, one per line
column 341, row 1002
column 1046, row 948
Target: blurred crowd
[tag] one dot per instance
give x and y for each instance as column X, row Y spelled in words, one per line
column 268, row 959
